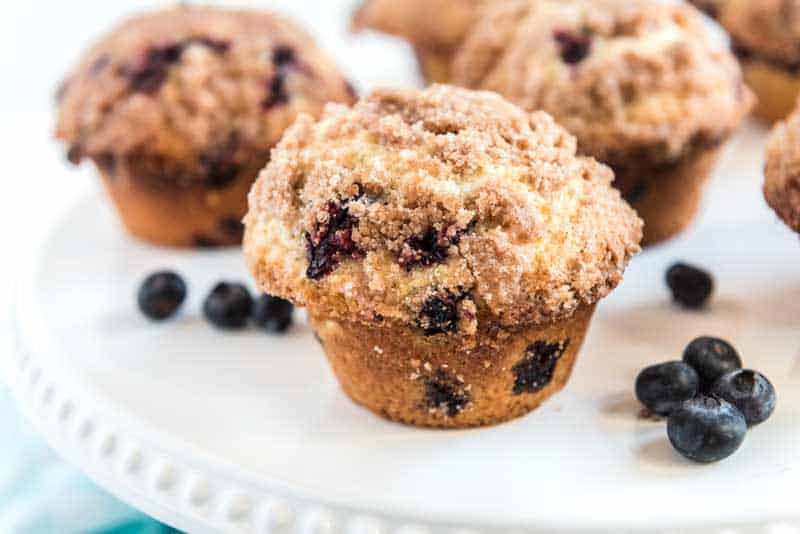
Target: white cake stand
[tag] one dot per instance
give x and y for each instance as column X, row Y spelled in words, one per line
column 244, row 432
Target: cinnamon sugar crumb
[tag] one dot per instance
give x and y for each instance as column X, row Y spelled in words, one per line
column 552, row 236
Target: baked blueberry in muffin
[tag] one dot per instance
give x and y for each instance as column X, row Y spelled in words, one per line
column 645, row 85
column 448, row 246
column 178, row 110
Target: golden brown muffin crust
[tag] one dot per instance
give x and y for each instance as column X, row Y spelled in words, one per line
column 193, row 93
column 438, row 208
column 782, row 171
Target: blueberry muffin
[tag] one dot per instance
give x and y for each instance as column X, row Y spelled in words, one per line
column 644, row 85
column 178, row 110
column 782, row 170
column 449, row 248
column 766, row 38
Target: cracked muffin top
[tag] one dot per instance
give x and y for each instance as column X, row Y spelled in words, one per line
column 439, row 209
column 193, row 91
column 769, row 29
column 782, row 171
column 642, row 77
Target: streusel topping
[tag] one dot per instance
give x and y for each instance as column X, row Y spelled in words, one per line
column 621, row 75
column 439, row 209
column 194, row 91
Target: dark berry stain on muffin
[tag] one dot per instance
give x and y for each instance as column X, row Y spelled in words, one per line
column 276, row 92
column 351, row 91
column 106, row 161
column 430, row 248
column 331, row 242
column 231, row 226
column 445, row 393
column 75, row 154
column 219, row 166
column 636, row 193
column 535, row 371
column 149, row 71
column 283, row 58
column 573, row 47
column 99, row 65
column 204, row 241
column 61, row 90
column 439, row 313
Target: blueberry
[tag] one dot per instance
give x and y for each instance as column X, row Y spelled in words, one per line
column 331, row 242
column 706, row 429
column 161, row 294
column 691, row 287
column 750, row 392
column 663, row 388
column 535, row 370
column 228, row 305
column 446, row 394
column 439, row 313
column 272, row 314
column 711, row 358
column 573, row 47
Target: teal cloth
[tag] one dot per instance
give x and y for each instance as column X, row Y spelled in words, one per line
column 40, row 494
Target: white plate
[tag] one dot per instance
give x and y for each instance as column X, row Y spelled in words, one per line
column 249, row 432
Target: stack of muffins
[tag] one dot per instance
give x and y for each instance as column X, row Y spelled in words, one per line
column 450, row 244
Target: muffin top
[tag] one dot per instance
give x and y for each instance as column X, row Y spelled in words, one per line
column 782, row 171
column 440, row 209
column 768, row 29
column 642, row 77
column 191, row 93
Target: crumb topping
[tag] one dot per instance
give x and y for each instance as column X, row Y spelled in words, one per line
column 460, row 208
column 194, row 93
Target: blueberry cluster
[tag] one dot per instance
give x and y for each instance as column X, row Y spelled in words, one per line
column 709, row 400
column 228, row 306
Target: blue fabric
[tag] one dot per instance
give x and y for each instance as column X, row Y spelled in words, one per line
column 40, row 494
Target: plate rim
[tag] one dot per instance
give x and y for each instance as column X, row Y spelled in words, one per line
column 192, row 491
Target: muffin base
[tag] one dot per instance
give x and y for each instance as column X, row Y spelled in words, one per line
column 175, row 215
column 777, row 89
column 667, row 197
column 439, row 382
